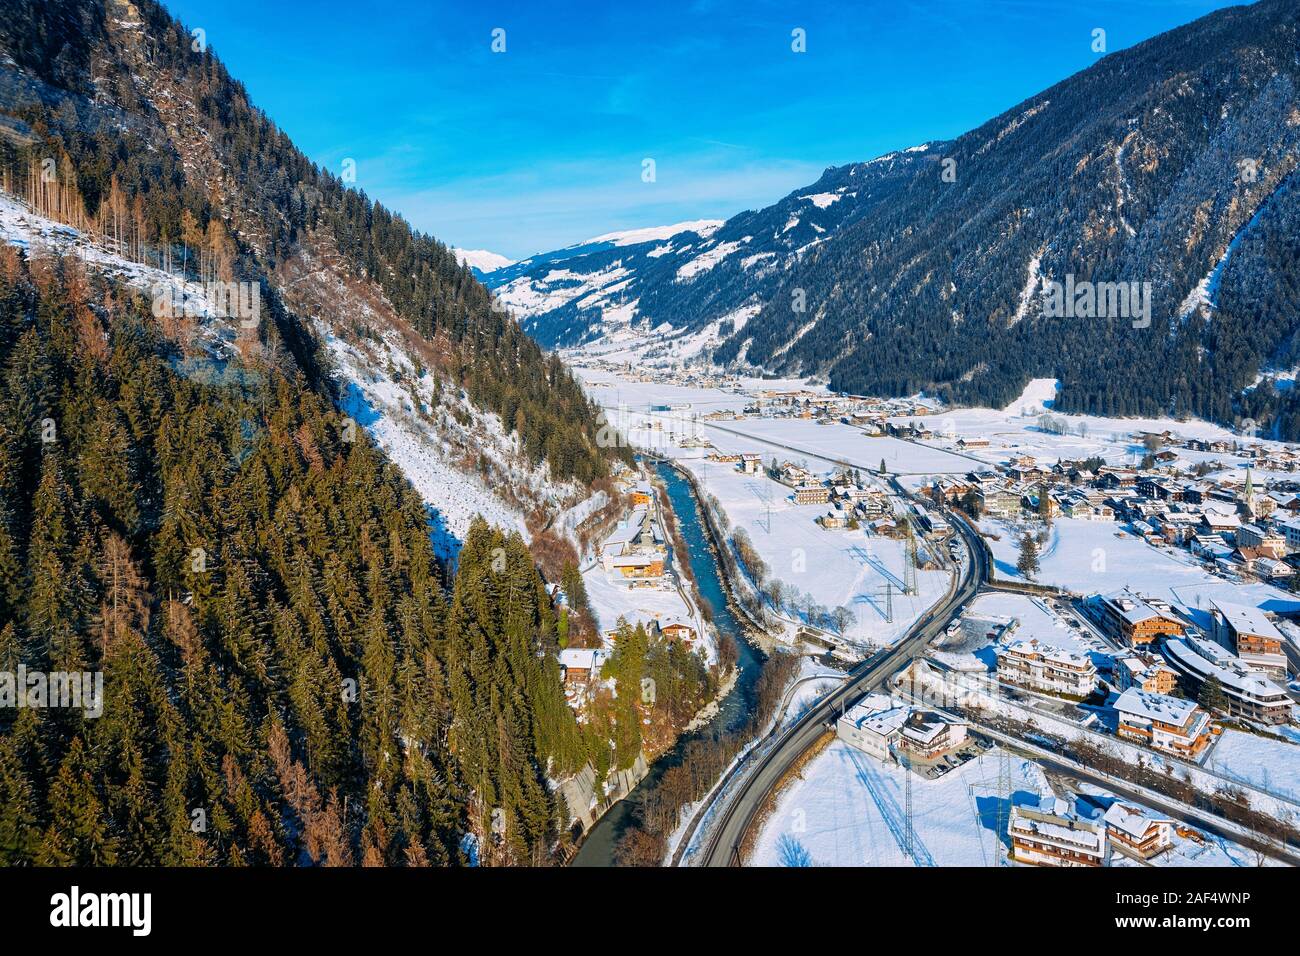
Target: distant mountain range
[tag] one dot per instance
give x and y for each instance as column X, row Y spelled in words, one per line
column 690, row 274
column 1167, row 168
column 481, row 261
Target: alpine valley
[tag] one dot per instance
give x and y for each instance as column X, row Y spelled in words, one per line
column 1171, row 163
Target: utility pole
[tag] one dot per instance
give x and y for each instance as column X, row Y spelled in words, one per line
column 909, row 834
column 909, row 564
column 1004, row 800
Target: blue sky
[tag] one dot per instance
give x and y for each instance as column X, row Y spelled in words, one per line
column 542, row 145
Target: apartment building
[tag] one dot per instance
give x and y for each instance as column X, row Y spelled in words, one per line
column 1250, row 695
column 1145, row 673
column 1168, row 724
column 1052, row 834
column 1246, row 631
column 1130, row 619
column 812, row 495
column 1045, row 668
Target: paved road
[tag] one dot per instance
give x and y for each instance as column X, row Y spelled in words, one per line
column 723, row 848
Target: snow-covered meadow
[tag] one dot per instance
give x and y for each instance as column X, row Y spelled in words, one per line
column 1097, row 557
column 847, row 809
column 834, row 567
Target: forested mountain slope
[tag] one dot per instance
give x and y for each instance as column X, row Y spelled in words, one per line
column 191, row 507
column 1143, row 168
column 145, row 118
column 1171, row 163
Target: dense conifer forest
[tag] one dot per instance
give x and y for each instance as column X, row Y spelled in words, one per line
column 290, row 676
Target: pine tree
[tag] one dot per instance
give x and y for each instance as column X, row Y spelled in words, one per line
column 1027, row 563
column 79, row 834
column 1212, row 697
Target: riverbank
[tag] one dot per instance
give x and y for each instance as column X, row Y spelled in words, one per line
column 733, row 711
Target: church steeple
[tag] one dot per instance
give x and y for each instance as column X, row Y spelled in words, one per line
column 1247, row 499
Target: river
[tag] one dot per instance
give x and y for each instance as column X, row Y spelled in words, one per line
column 598, row 847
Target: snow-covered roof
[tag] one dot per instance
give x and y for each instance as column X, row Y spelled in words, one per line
column 877, row 713
column 627, row 530
column 1133, row 820
column 924, row 725
column 1132, row 607
column 1032, row 647
column 582, row 658
column 1246, row 619
column 1151, row 706
column 1054, row 819
column 1206, row 658
column 636, row 560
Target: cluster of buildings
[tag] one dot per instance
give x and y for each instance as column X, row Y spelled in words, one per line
column 869, row 414
column 852, row 502
column 580, row 666
column 1241, row 650
column 1226, row 523
column 635, row 552
column 1055, row 832
column 1161, row 669
column 676, row 373
column 635, row 556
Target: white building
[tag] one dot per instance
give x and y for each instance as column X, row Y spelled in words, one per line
column 873, row 725
column 1138, row 832
column 1046, row 668
column 1052, row 834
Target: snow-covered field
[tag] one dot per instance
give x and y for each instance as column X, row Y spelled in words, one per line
column 1096, row 557
column 1015, row 430
column 847, row 810
column 849, row 568
column 838, row 443
column 1269, row 763
column 833, row 567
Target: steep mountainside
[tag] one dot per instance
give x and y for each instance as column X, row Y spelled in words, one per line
column 197, row 330
column 696, row 274
column 150, row 126
column 1170, row 163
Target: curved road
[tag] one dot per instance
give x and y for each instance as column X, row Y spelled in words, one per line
column 736, row 817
